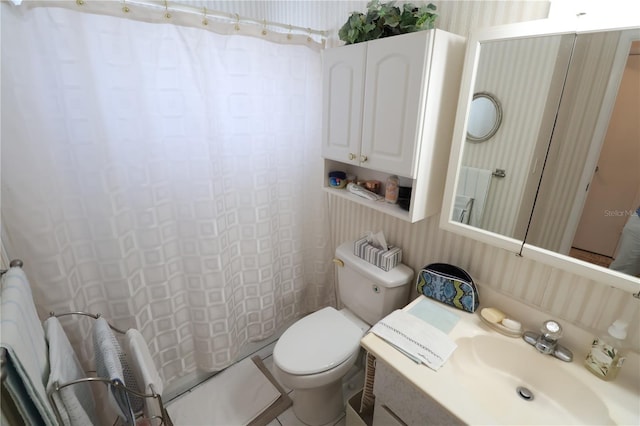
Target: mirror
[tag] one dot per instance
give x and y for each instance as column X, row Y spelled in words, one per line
column 485, row 117
column 593, row 167
column 557, row 86
column 531, row 69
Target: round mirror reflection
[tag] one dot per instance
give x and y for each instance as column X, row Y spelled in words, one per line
column 485, row 116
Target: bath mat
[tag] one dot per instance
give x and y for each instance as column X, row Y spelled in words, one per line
column 279, row 406
column 236, row 396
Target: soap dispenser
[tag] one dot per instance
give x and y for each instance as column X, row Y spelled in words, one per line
column 605, row 357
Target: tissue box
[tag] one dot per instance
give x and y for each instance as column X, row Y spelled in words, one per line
column 385, row 260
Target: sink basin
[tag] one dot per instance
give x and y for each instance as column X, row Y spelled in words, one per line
column 493, row 368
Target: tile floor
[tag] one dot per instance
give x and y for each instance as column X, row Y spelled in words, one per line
column 352, row 384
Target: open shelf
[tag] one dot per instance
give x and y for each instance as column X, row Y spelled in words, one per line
column 364, row 174
column 380, row 205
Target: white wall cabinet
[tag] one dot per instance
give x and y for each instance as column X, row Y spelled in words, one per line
column 389, row 108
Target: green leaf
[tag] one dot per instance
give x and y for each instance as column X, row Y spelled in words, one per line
column 375, row 34
column 356, row 19
column 408, row 21
column 392, row 20
column 373, row 5
column 372, row 16
column 343, row 33
column 386, row 9
column 408, row 8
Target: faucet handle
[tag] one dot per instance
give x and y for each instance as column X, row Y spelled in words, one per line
column 547, row 342
column 551, row 330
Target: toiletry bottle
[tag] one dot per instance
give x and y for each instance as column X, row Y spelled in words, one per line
column 605, row 357
column 391, row 190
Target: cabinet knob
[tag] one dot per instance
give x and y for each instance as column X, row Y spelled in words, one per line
column 352, row 156
column 363, row 158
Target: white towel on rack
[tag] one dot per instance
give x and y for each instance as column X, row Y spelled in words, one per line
column 475, row 183
column 144, row 370
column 75, row 403
column 462, row 208
column 107, row 357
column 22, row 336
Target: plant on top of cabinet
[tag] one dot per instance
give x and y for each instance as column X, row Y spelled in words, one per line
column 385, row 20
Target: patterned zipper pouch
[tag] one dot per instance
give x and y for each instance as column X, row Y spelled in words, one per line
column 448, row 284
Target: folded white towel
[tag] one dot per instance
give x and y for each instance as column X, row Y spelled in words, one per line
column 144, row 370
column 27, row 360
column 75, row 403
column 419, row 340
column 107, row 356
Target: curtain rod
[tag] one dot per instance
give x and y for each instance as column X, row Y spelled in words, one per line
column 206, row 13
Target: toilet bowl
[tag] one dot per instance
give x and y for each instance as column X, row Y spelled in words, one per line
column 312, row 356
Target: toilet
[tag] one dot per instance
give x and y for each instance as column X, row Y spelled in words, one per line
column 315, row 353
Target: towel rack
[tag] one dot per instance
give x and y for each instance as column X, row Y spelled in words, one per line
column 94, row 316
column 500, row 173
column 15, row 263
column 164, row 418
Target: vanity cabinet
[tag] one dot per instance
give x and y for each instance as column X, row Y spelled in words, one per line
column 388, row 109
column 399, row 402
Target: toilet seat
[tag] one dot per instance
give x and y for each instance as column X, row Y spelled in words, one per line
column 316, row 343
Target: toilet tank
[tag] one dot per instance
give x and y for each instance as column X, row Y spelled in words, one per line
column 368, row 291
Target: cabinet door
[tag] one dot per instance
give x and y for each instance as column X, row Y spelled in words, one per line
column 343, row 83
column 405, row 402
column 393, row 102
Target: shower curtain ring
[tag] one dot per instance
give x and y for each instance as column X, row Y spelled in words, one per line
column 166, row 10
column 205, row 21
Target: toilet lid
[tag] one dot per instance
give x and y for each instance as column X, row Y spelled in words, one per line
column 316, row 343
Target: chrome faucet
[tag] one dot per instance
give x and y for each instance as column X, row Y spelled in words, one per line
column 547, row 341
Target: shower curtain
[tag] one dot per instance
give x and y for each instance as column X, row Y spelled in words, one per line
column 164, row 176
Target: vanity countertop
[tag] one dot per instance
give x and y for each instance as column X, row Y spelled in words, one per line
column 621, row 397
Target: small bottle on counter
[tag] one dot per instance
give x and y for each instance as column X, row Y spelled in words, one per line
column 605, row 357
column 391, row 190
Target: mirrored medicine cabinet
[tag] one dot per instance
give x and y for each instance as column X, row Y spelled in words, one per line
column 558, row 85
